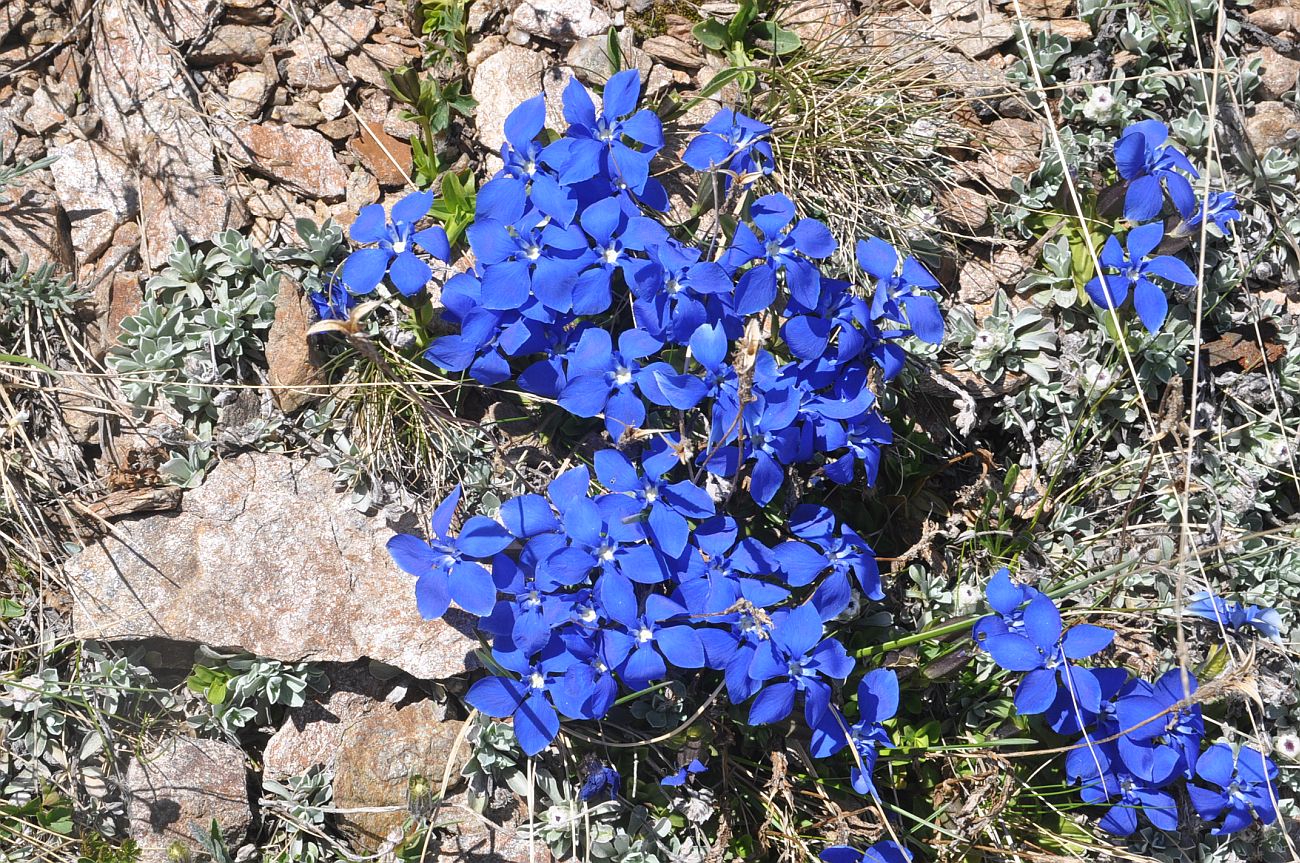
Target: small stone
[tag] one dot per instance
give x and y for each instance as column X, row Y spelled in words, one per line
column 183, row 20
column 294, row 365
column 384, row 756
column 973, row 26
column 247, row 93
column 339, row 29
column 94, row 187
column 484, row 49
column 186, row 782
column 659, row 80
column 674, row 51
column 1014, row 147
column 590, row 60
column 1277, row 74
column 499, row 83
column 44, row 116
column 314, row 71
column 481, row 10
column 363, row 189
column 560, row 21
column 1276, row 20
column 250, row 11
column 387, row 158
column 299, row 114
column 233, row 43
column 1047, row 9
column 82, row 401
column 818, row 22
column 964, row 208
column 374, row 60
column 1272, row 125
column 300, row 157
column 33, row 224
column 312, row 734
column 397, row 125
column 116, row 298
column 334, row 102
column 977, row 283
column 1074, row 29
column 339, row 129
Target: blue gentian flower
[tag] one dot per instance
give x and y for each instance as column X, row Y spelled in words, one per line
column 613, row 235
column 526, row 700
column 667, row 506
column 601, row 779
column 444, row 566
column 525, row 161
column 599, row 144
column 1146, row 159
column 799, row 660
column 650, row 640
column 675, row 780
column 836, row 549
column 897, row 294
column 1242, row 789
column 862, row 441
column 669, row 287
column 733, row 143
column 877, row 702
column 886, row 851
column 1151, row 716
column 395, row 255
column 1126, row 787
column 1220, row 208
column 1046, row 655
column 522, row 254
column 335, row 303
column 602, row 380
column 781, row 248
column 1236, row 615
column 1007, row 599
column 1135, row 271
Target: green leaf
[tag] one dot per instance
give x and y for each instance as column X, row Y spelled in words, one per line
column 615, row 51
column 10, row 609
column 711, row 34
column 26, row 361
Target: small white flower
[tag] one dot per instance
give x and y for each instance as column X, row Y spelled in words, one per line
column 1287, row 746
column 1100, row 104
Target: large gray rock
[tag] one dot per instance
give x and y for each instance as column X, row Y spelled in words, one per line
column 186, row 784
column 501, row 82
column 265, row 557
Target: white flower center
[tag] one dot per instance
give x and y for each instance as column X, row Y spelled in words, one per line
column 610, row 255
column 538, row 681
column 399, row 247
column 622, row 376
column 644, row 634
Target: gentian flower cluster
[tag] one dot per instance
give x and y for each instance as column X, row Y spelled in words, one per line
column 723, row 374
column 1150, row 167
column 1136, row 740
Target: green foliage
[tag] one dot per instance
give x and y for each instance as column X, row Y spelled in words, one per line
column 750, row 32
column 431, row 105
column 203, row 320
column 35, row 297
column 238, row 690
column 454, row 208
column 443, row 22
column 11, row 173
column 298, row 804
column 1006, row 341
